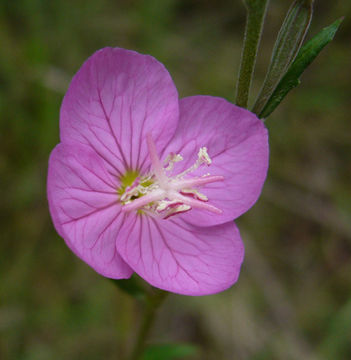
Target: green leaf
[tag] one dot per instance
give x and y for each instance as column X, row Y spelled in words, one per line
column 289, row 40
column 132, row 287
column 304, row 58
column 169, row 351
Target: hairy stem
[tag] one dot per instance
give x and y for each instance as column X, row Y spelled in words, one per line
column 152, row 303
column 256, row 11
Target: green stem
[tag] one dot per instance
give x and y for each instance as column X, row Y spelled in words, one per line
column 152, row 303
column 256, row 11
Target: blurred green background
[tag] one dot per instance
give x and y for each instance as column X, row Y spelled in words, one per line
column 292, row 300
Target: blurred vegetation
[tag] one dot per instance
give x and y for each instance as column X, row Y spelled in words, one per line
column 293, row 297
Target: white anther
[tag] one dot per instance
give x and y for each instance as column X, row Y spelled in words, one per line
column 196, row 194
column 203, row 157
column 162, row 195
column 171, row 159
column 164, row 204
column 129, row 193
column 177, row 210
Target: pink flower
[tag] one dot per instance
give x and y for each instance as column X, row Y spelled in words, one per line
column 142, row 181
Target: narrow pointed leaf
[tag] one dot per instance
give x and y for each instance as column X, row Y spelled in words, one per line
column 304, row 58
column 169, row 352
column 287, row 45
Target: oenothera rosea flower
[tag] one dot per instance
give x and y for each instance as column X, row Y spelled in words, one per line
column 144, row 182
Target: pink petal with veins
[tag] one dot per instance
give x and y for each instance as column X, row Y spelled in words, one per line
column 237, row 143
column 182, row 258
column 119, row 103
column 84, row 206
column 115, row 99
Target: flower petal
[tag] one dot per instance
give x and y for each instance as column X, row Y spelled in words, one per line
column 176, row 256
column 83, row 205
column 115, row 99
column 237, row 143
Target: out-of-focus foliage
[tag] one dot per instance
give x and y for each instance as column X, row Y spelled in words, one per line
column 169, row 351
column 293, row 297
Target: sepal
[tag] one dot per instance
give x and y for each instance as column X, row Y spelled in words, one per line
column 304, row 58
column 132, row 287
column 289, row 40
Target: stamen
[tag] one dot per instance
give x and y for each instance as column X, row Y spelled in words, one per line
column 196, row 203
column 202, row 158
column 177, row 210
column 136, row 204
column 198, row 181
column 160, row 195
column 171, row 159
column 164, row 204
column 195, row 194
